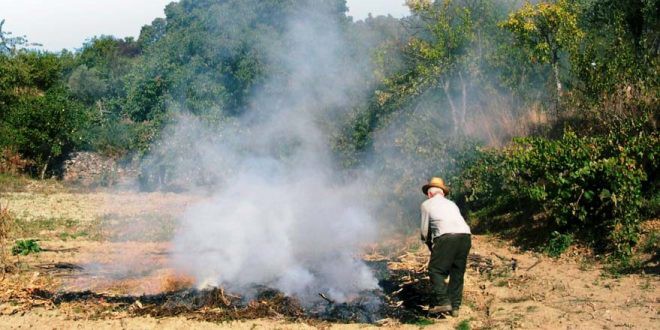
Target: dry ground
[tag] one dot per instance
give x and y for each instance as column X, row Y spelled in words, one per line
column 107, row 242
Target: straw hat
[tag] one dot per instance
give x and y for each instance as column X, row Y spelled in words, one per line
column 435, row 182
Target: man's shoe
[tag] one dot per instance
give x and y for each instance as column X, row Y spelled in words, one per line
column 454, row 312
column 440, row 309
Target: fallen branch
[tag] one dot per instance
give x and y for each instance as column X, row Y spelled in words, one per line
column 75, row 249
column 326, row 298
column 534, row 265
column 60, row 265
column 499, row 256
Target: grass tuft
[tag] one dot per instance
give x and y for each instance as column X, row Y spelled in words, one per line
column 463, row 325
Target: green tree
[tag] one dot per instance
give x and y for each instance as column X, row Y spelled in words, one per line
column 545, row 30
column 38, row 116
column 439, row 54
column 621, row 48
column 46, row 126
column 87, row 84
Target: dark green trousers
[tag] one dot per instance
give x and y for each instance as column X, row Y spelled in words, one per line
column 449, row 258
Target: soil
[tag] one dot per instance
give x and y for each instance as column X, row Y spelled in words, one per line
column 505, row 287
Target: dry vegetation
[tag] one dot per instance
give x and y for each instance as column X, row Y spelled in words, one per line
column 104, row 264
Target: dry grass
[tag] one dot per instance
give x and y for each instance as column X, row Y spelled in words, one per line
column 6, row 222
column 171, row 281
column 499, row 127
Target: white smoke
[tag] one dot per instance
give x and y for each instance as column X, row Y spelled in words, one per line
column 279, row 216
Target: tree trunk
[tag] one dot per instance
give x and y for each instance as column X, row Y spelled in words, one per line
column 463, row 101
column 43, row 169
column 445, row 87
column 555, row 70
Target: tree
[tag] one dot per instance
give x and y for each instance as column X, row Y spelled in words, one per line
column 38, row 117
column 621, row 48
column 8, row 44
column 545, row 30
column 440, row 53
column 48, row 126
column 87, row 84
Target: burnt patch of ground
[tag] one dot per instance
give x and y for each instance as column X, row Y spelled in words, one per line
column 213, row 303
column 216, row 305
column 402, row 297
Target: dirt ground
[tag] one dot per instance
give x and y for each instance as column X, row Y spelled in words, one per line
column 89, row 243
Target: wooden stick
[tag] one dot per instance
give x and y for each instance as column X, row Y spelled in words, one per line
column 326, row 298
column 534, row 265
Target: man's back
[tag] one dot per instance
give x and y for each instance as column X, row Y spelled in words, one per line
column 444, row 217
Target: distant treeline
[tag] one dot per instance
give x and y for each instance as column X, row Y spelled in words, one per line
column 447, row 86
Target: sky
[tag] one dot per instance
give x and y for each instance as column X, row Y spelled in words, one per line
column 58, row 24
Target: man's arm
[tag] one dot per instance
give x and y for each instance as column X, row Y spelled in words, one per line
column 424, row 227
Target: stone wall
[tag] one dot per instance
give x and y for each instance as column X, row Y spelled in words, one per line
column 92, row 169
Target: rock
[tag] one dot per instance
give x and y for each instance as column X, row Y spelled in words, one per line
column 92, row 169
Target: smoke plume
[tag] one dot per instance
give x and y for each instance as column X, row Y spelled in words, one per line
column 279, row 215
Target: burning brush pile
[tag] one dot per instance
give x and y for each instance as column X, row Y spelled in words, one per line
column 216, row 304
column 402, row 297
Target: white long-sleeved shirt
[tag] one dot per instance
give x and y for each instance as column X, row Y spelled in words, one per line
column 441, row 216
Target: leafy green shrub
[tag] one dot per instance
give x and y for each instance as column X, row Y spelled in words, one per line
column 463, row 325
column 651, row 205
column 25, row 247
column 558, row 243
column 587, row 186
column 40, row 121
column 652, row 243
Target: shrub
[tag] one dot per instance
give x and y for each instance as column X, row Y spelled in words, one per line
column 11, row 162
column 587, row 186
column 463, row 325
column 558, row 243
column 25, row 247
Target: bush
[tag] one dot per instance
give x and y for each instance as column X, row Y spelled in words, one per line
column 587, row 186
column 558, row 243
column 25, row 247
column 11, row 162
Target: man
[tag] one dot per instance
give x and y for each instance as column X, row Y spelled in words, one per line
column 447, row 235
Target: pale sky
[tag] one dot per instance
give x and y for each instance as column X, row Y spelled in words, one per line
column 58, row 24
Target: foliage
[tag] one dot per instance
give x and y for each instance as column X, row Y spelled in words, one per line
column 620, row 48
column 423, row 322
column 47, row 126
column 86, row 84
column 463, row 325
column 589, row 186
column 11, row 162
column 40, row 119
column 652, row 242
column 25, row 247
column 558, row 243
column 545, row 30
